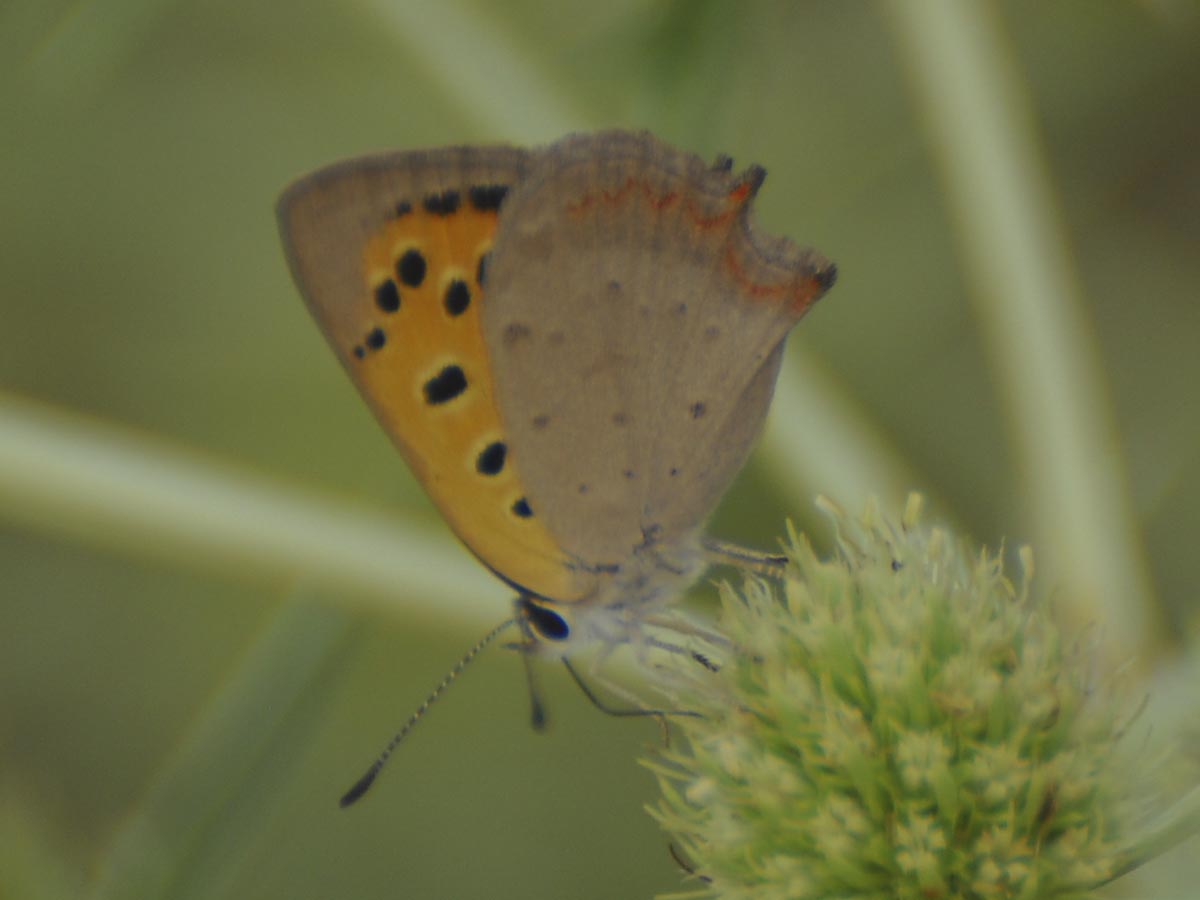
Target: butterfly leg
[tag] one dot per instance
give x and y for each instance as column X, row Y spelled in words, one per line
column 632, row 711
column 724, row 553
column 685, row 864
column 537, row 706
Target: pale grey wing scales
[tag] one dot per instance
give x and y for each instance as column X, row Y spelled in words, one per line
column 326, row 218
column 560, row 382
column 569, row 338
column 635, row 323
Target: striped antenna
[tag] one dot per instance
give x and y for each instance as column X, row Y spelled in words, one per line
column 364, row 784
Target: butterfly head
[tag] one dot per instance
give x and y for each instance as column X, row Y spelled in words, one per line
column 559, row 630
column 547, row 627
column 625, row 597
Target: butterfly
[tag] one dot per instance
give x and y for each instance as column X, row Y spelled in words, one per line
column 574, row 348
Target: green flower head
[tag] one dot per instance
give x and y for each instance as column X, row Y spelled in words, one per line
column 898, row 721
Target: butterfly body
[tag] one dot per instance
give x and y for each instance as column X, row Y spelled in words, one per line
column 573, row 347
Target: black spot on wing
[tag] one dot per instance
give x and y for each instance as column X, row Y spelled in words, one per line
column 458, row 297
column 444, row 204
column 491, row 459
column 515, row 332
column 487, row 197
column 411, row 268
column 446, row 385
column 387, row 296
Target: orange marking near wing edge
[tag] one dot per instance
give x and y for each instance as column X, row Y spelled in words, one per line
column 739, row 194
column 660, row 201
column 803, row 295
column 610, row 197
column 667, row 199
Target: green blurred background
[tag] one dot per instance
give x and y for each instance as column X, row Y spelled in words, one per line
column 178, row 717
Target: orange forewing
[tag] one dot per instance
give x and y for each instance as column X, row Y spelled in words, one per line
column 403, row 352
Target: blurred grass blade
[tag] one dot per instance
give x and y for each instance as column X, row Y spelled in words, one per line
column 1032, row 315
column 210, row 803
column 818, row 440
column 91, row 40
column 75, row 477
column 472, row 55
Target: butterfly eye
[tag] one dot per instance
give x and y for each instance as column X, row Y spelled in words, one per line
column 548, row 624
